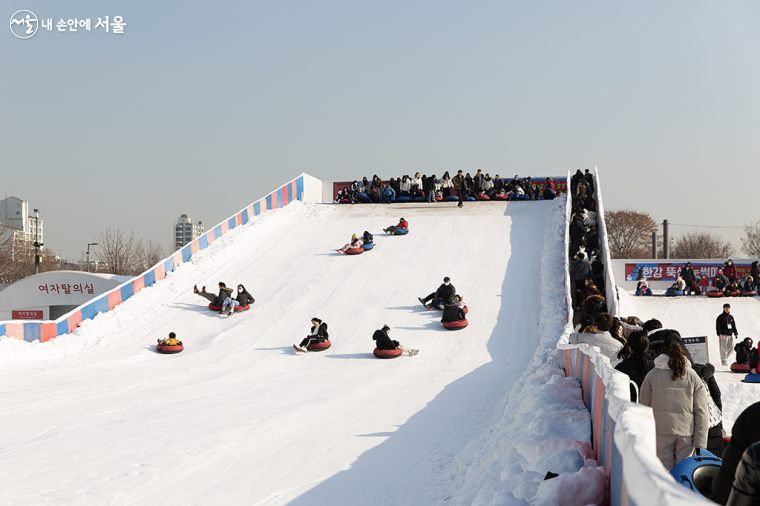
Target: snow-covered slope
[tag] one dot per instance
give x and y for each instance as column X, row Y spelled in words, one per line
column 99, row 417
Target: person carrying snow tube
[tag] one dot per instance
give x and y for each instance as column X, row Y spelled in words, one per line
column 241, row 303
column 170, row 345
column 355, row 244
column 401, row 228
column 215, row 300
column 387, row 348
column 318, row 338
column 445, row 293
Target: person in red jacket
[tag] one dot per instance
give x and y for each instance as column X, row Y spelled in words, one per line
column 402, row 224
column 729, row 270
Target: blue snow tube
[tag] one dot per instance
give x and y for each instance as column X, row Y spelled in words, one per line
column 451, row 198
column 752, row 378
column 363, row 198
column 471, row 199
column 368, row 246
column 404, row 199
column 673, row 293
column 420, row 199
column 401, row 231
column 697, row 472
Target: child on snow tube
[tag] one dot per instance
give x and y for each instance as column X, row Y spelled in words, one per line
column 170, row 341
column 355, row 243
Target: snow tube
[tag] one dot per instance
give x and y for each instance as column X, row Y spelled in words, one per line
column 714, row 294
column 319, row 346
column 344, row 201
column 401, row 231
column 456, row 325
column 439, row 199
column 237, row 308
column 451, row 198
column 485, row 197
column 354, row 251
column 419, row 199
column 697, row 472
column 499, row 197
column 740, row 367
column 387, row 353
column 732, row 294
column 169, row 349
column 471, row 199
column 673, row 293
column 642, row 293
column 404, row 199
column 368, row 246
column 363, row 198
column 752, row 378
column 749, row 294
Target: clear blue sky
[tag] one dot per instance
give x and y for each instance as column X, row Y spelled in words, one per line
column 202, row 108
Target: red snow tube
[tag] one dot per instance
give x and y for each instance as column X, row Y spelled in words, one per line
column 344, row 201
column 169, row 349
column 319, row 346
column 714, row 294
column 387, row 353
column 484, row 197
column 749, row 294
column 439, row 199
column 465, row 310
column 455, row 325
column 354, row 251
column 499, row 197
column 732, row 294
column 237, row 308
column 742, row 368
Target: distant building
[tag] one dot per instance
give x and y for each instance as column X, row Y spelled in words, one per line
column 185, row 231
column 14, row 214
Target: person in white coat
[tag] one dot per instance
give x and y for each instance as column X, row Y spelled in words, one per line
column 678, row 398
column 608, row 345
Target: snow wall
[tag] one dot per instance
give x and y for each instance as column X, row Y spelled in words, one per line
column 304, row 188
column 623, row 432
column 609, row 277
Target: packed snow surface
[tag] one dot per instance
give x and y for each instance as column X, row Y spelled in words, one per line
column 98, row 417
column 694, row 316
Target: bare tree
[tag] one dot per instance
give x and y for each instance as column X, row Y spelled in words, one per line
column 751, row 244
column 7, row 238
column 153, row 253
column 629, row 233
column 701, row 245
column 121, row 253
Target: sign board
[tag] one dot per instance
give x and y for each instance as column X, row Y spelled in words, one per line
column 664, row 271
column 26, row 315
column 697, row 347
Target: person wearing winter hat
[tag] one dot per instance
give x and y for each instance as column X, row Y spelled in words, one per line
column 355, row 243
column 384, row 342
column 317, row 334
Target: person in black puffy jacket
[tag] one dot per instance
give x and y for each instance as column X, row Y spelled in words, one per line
column 367, row 238
column 743, row 350
column 639, row 362
column 452, row 313
column 445, row 293
column 384, row 342
column 745, row 432
column 746, row 488
column 317, row 334
column 715, row 443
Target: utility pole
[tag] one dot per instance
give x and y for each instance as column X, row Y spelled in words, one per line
column 654, row 245
column 37, row 243
column 88, row 254
column 665, row 239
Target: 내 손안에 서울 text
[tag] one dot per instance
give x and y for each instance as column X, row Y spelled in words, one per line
column 24, row 24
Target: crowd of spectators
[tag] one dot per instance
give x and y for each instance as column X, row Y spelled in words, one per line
column 459, row 187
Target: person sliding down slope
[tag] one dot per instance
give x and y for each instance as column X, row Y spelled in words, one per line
column 171, row 340
column 317, row 334
column 355, row 243
column 402, row 223
column 243, row 299
column 445, row 293
column 384, row 342
column 216, row 300
column 452, row 313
